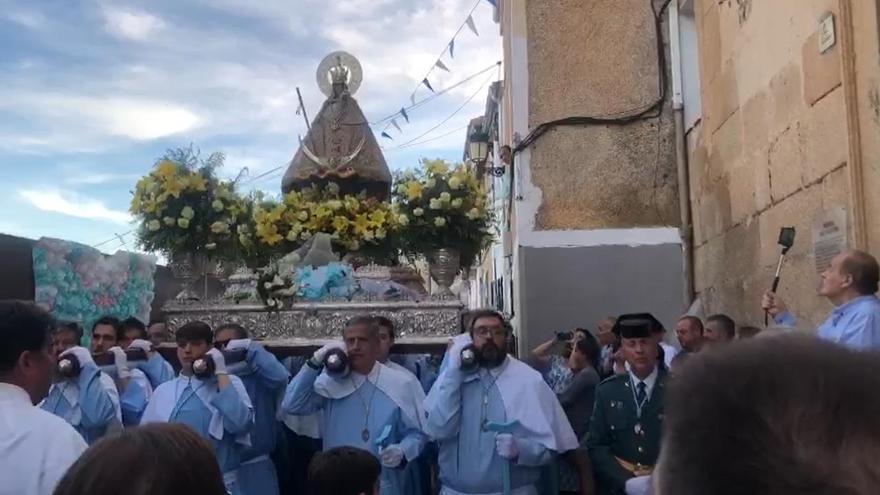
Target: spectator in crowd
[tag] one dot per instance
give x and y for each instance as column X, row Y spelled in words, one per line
column 358, row 407
column 850, row 284
column 264, row 378
column 217, row 407
column 667, row 352
column 606, row 339
column 747, row 332
column 689, row 331
column 552, row 358
column 473, row 416
column 624, row 434
column 89, row 401
column 36, row 447
column 344, row 471
column 719, row 329
column 158, row 459
column 786, row 414
column 158, row 332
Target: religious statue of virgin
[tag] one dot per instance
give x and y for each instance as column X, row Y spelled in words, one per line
column 340, row 146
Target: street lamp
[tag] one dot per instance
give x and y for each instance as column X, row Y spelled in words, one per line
column 478, row 151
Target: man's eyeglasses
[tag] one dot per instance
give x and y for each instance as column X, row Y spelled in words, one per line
column 489, row 332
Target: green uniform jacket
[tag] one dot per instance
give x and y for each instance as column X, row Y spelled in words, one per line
column 613, row 431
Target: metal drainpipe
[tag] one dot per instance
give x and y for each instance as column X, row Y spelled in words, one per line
column 684, row 204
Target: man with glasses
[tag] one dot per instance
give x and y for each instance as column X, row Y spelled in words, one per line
column 264, row 377
column 499, row 420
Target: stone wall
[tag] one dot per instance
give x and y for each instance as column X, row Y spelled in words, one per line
column 598, row 58
column 771, row 150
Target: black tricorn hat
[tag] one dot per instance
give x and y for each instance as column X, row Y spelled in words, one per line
column 637, row 326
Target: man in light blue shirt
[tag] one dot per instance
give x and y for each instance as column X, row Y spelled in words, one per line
column 850, row 283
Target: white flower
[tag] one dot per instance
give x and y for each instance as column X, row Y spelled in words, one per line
column 217, row 205
column 187, row 213
column 183, row 223
column 456, row 203
column 169, row 221
column 454, row 182
column 380, row 233
column 403, row 219
column 153, row 225
column 369, row 235
column 211, row 246
column 267, row 285
column 303, row 216
column 473, row 214
column 435, row 204
column 418, row 212
column 439, row 221
column 334, row 204
column 279, row 304
column 278, row 281
column 430, row 183
column 220, row 228
column 271, row 302
column 305, row 236
column 292, row 235
column 445, row 196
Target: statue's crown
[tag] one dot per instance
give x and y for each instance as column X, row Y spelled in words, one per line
column 339, row 73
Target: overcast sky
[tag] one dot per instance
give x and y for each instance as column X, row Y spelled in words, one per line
column 92, row 92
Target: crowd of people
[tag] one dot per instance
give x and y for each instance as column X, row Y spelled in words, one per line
column 623, row 410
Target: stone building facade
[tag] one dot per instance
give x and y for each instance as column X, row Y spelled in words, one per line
column 786, row 132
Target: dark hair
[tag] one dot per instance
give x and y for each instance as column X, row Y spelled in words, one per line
column 69, row 326
column 367, row 321
column 387, row 324
column 24, row 327
column 465, row 318
column 240, row 331
column 589, row 347
column 695, row 320
column 194, row 331
column 113, row 322
column 486, row 313
column 134, row 323
column 343, row 471
column 726, row 323
column 156, row 321
column 798, row 413
column 748, row 332
column 170, row 457
column 864, row 270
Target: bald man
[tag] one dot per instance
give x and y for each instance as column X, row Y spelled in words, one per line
column 850, row 283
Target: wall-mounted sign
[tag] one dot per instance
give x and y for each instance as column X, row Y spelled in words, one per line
column 829, row 236
column 827, row 36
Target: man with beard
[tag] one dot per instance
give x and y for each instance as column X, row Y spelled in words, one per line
column 624, row 436
column 372, row 407
column 501, row 413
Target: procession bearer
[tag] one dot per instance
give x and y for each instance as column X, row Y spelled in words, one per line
column 624, row 438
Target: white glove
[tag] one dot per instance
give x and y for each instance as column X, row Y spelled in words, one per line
column 121, row 361
column 506, row 446
column 640, row 485
column 391, row 456
column 238, row 344
column 81, row 354
column 318, row 356
column 219, row 362
column 144, row 345
column 458, row 343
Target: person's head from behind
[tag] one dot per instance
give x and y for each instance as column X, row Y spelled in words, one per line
column 361, row 337
column 132, row 329
column 604, row 330
column 794, row 413
column 489, row 333
column 747, row 332
column 689, row 331
column 719, row 329
column 158, row 332
column 638, row 342
column 170, row 458
column 585, row 353
column 851, row 274
column 344, row 471
column 107, row 332
column 67, row 334
column 228, row 332
column 193, row 341
column 386, row 337
column 25, row 342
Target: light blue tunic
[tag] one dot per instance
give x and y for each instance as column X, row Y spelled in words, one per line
column 264, row 380
column 343, row 423
column 96, row 406
column 134, row 400
column 157, row 369
column 855, row 324
column 469, row 462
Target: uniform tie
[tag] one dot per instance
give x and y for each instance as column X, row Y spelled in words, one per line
column 641, row 393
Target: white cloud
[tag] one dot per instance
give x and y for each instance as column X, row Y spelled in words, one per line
column 28, row 19
column 72, row 204
column 95, row 179
column 130, row 25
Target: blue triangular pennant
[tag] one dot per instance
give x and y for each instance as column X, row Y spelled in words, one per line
column 428, row 85
column 452, row 48
column 403, row 112
column 385, row 135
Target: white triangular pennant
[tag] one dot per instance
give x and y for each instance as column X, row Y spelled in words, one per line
column 470, row 23
column 394, row 123
column 441, row 65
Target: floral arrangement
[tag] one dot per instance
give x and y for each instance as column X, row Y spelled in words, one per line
column 354, row 223
column 78, row 283
column 442, row 206
column 183, row 208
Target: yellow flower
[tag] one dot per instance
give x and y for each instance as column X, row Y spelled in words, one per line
column 220, row 228
column 296, row 227
column 334, row 204
column 340, row 224
column 413, row 190
column 361, row 224
column 183, row 223
column 166, row 169
column 217, row 205
column 454, row 182
column 473, row 214
column 351, row 204
column 369, row 235
column 187, row 213
column 418, row 212
column 169, row 221
column 439, row 221
column 153, row 225
column 197, row 182
column 174, row 188
column 292, row 236
column 456, row 203
column 378, row 218
column 437, row 167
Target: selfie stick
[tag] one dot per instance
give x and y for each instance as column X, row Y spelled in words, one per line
column 786, row 240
